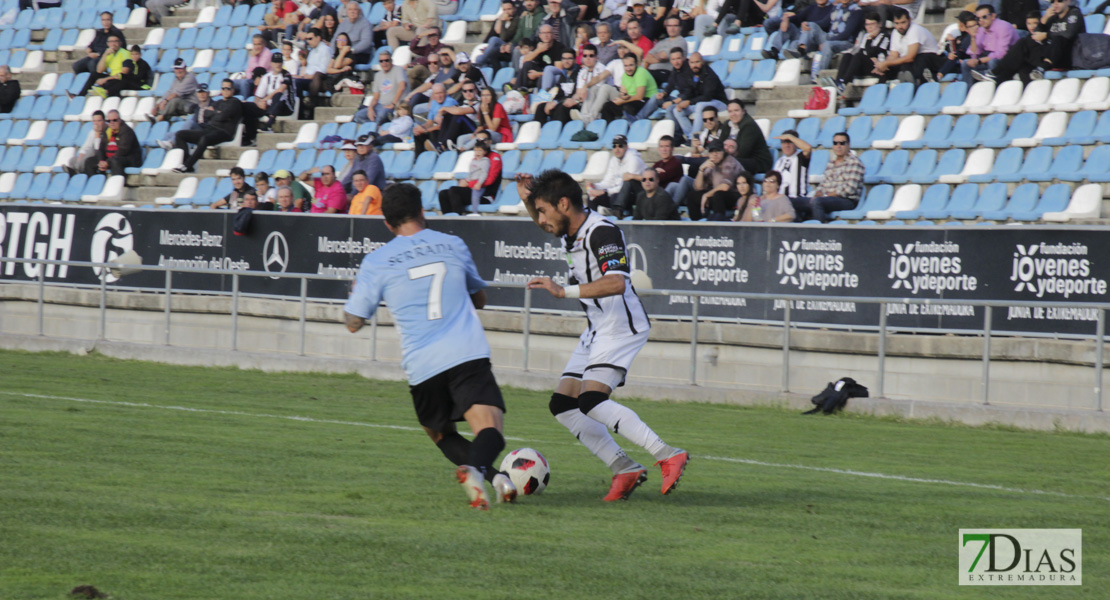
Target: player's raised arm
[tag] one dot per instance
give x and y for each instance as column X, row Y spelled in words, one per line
column 524, row 189
column 609, row 285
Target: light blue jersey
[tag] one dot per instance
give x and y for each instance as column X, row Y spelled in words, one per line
column 426, row 279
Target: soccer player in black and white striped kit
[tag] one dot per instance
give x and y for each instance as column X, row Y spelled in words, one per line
column 617, row 328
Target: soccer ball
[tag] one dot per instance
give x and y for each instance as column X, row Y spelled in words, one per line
column 527, row 469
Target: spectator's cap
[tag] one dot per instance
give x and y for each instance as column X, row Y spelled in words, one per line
column 276, row 57
column 716, row 146
column 620, row 140
column 363, row 141
column 202, row 88
column 348, row 146
column 462, row 57
column 635, row 2
column 283, row 174
column 179, row 63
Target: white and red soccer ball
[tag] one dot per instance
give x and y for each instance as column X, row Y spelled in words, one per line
column 527, row 469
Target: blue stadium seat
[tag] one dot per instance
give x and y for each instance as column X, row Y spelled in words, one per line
column 1007, row 162
column 872, row 160
column 74, row 187
column 720, row 67
column 530, row 162
column 1054, row 199
column 28, row 161
column 386, row 157
column 923, row 162
column 1024, row 125
column 895, row 164
column 331, row 157
column 953, row 95
column 169, row 40
column 748, row 51
column 900, row 95
column 831, row 127
column 306, row 159
column 79, row 83
column 19, row 190
column 933, row 200
column 726, row 55
column 51, row 43
column 468, row 10
column 38, row 187
column 740, row 72
column 375, row 12
column 206, row 191
column 50, row 137
column 188, row 39
column 239, row 15
column 64, row 81
column 503, row 75
column 18, row 129
column 165, row 62
column 991, row 129
column 818, row 161
column 962, row 198
column 422, row 168
column 776, row 130
column 257, row 16
column 1095, row 170
column 763, row 70
column 576, row 162
column 237, row 61
column 285, row 159
column 507, row 197
column 552, row 160
column 446, row 162
column 68, row 136
column 878, row 198
column 870, row 103
column 222, row 18
column 962, row 134
column 1080, row 125
column 428, row 194
column 809, row 128
column 153, row 160
column 926, row 98
column 860, row 131
column 949, row 163
column 1068, row 160
column 596, row 126
column 22, row 109
column 883, row 130
column 550, row 130
column 510, row 162
column 1035, row 159
column 615, row 128
column 992, row 197
column 202, row 39
column 57, row 187
column 639, row 131
column 239, row 37
column 568, row 131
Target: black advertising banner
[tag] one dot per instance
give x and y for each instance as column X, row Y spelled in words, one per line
column 1049, row 264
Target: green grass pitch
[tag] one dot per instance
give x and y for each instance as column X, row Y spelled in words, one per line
column 151, row 481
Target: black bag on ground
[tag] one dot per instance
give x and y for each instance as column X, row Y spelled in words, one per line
column 835, row 396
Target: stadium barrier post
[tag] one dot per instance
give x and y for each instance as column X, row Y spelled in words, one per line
column 882, row 349
column 694, row 341
column 304, row 308
column 786, row 347
column 986, row 383
column 1100, row 333
column 235, row 311
column 169, row 286
column 527, row 325
column 103, row 303
column 42, row 302
column 374, row 337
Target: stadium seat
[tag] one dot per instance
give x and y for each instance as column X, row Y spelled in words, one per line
column 1023, row 125
column 872, row 160
column 740, row 72
column 731, row 49
column 1036, row 159
column 1028, row 208
column 901, row 96
column 787, row 72
column 461, row 167
column 776, row 130
column 658, row 130
column 548, row 136
column 1068, row 160
column 152, row 161
column 423, row 167
column 936, row 133
column 817, row 163
column 991, row 130
column 615, row 128
column 1051, row 126
column 1004, row 94
column 923, row 162
column 35, row 132
column 878, row 199
column 39, row 185
column 445, row 165
column 763, row 70
column 1096, row 169
column 933, row 200
column 895, row 164
column 992, row 197
column 529, row 133
column 1036, row 93
column 962, row 198
column 595, row 168
column 575, row 162
column 20, row 184
column 906, row 197
column 306, row 159
column 860, row 132
column 1064, row 92
column 1095, row 95
column 112, row 190
column 1086, row 203
column 1080, row 125
column 979, row 162
column 753, row 46
column 552, row 160
column 871, row 103
column 510, row 162
column 950, row 162
column 638, row 132
column 953, row 95
column 56, row 190
column 530, row 161
column 74, row 187
column 980, row 94
column 961, row 135
column 1007, row 162
column 564, row 136
column 909, row 128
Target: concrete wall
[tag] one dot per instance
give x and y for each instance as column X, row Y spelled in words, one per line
column 1034, row 383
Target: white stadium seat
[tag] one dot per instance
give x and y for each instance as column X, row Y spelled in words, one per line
column 1035, row 93
column 248, row 161
column 528, row 134
column 1091, row 97
column 906, row 197
column 911, row 127
column 455, row 34
column 185, row 189
column 63, row 158
column 595, row 168
column 112, row 192
column 35, row 132
column 305, row 135
column 789, row 72
column 174, row 158
column 1052, row 125
column 1004, row 95
column 83, row 40
column 661, row 128
column 1086, row 203
column 980, row 94
column 1065, row 91
column 978, row 162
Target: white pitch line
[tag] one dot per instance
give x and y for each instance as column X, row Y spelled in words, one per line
column 745, row 461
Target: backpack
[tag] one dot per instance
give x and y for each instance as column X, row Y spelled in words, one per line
column 1091, row 51
column 818, row 99
column 514, row 103
column 835, row 396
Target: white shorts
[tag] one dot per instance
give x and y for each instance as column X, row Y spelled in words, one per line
column 604, row 359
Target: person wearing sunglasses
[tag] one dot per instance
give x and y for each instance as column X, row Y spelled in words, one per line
column 119, row 148
column 387, row 90
column 993, row 38
column 653, row 203
column 220, row 124
column 1048, row 47
column 842, row 184
column 618, row 188
column 424, row 49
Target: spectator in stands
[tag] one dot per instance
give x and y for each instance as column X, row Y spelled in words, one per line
column 842, row 183
column 109, row 66
column 196, row 116
column 320, row 9
column 957, row 48
column 653, row 203
column 258, row 57
column 469, row 192
column 266, row 193
column 319, row 58
column 993, row 39
column 716, row 186
column 418, row 97
column 616, row 193
column 350, row 153
column 771, row 207
column 636, row 87
column 160, row 9
column 1063, row 23
column 220, row 123
column 397, row 130
column 844, row 25
column 367, row 199
column 89, row 148
column 503, row 30
column 273, row 98
column 547, row 52
column 563, row 19
column 695, row 16
column 582, row 35
column 736, row 14
column 561, row 72
column 888, row 9
column 329, row 196
column 416, row 15
column 284, row 16
column 636, row 13
column 912, row 49
column 117, row 150
column 658, row 61
column 367, row 161
column 637, row 42
column 135, row 74
column 391, row 19
column 329, row 27
column 466, row 72
column 181, row 96
column 607, row 48
column 751, row 146
column 456, row 121
column 679, row 84
column 703, row 89
column 289, row 58
column 239, row 189
column 492, row 120
column 285, row 200
column 589, row 79
column 713, row 130
column 387, row 90
column 89, row 62
column 301, row 195
column 10, row 90
column 871, row 47
column 793, row 25
column 424, row 48
column 792, row 168
column 669, row 171
column 359, row 33
column 502, row 51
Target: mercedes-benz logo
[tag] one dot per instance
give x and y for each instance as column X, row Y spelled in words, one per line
column 275, row 253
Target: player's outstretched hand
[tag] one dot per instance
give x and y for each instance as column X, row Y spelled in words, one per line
column 524, row 186
column 545, row 283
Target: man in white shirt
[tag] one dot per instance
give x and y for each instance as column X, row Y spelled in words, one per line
column 589, row 79
column 316, row 69
column 912, row 48
column 90, row 147
column 617, row 190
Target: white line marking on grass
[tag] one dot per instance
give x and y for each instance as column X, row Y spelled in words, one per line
column 745, row 461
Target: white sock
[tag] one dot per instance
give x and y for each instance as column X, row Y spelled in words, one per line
column 626, row 422
column 595, row 437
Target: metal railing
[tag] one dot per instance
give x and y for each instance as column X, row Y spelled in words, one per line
column 526, row 312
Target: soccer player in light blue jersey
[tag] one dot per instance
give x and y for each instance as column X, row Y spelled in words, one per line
column 432, row 287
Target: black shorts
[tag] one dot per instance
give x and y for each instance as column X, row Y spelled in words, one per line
column 445, row 398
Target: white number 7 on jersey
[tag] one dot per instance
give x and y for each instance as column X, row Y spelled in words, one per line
column 437, row 271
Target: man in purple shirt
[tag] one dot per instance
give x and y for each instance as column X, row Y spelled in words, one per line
column 992, row 40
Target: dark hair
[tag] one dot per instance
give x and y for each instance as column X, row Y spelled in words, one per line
column 988, row 7
column 843, row 133
column 751, row 180
column 667, row 138
column 238, row 171
column 590, row 47
column 635, row 59
column 401, row 202
column 678, row 50
column 873, row 16
column 966, row 16
column 98, row 113
column 262, row 176
column 672, row 18
column 107, row 12
column 316, row 31
column 567, row 51
column 553, row 185
column 1033, row 14
column 774, row 174
column 360, row 172
column 737, row 102
column 790, row 132
column 228, row 81
column 483, row 144
column 136, row 48
column 900, row 13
